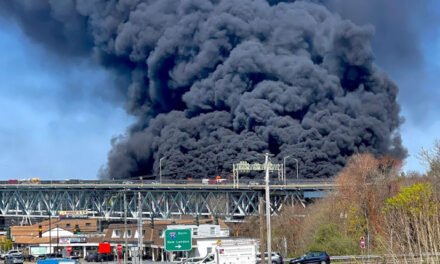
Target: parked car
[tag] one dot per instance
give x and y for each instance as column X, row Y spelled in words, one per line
column 97, row 257
column 3, row 256
column 320, row 257
column 14, row 258
column 276, row 258
column 92, row 257
column 193, row 260
column 14, row 251
column 50, row 255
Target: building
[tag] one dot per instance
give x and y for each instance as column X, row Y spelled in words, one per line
column 153, row 242
column 81, row 236
column 58, row 235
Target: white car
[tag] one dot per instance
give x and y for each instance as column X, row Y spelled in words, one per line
column 14, row 257
column 192, row 260
column 13, row 251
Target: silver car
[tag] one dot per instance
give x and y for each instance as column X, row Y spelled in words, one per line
column 276, row 258
column 14, row 258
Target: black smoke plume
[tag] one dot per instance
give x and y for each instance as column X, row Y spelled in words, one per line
column 216, row 82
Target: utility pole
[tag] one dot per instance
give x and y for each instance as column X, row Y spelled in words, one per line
column 262, row 246
column 140, row 237
column 125, row 227
column 269, row 237
column 58, row 238
column 50, row 234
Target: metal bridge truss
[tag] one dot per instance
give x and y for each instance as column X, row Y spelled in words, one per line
column 156, row 203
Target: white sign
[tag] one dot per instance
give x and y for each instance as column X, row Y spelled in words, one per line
column 246, row 167
column 73, row 214
column 72, row 240
column 38, row 251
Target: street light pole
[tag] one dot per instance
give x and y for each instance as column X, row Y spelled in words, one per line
column 50, row 234
column 58, row 239
column 125, row 227
column 269, row 237
column 284, row 169
column 160, row 169
column 297, row 170
column 140, row 236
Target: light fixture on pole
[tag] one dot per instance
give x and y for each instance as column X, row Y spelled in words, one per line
column 284, row 168
column 160, row 169
column 269, row 237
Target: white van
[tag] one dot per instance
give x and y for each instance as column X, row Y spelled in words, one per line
column 232, row 252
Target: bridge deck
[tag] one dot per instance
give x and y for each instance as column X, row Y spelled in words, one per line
column 111, row 200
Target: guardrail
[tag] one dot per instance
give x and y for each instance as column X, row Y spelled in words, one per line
column 170, row 181
column 386, row 259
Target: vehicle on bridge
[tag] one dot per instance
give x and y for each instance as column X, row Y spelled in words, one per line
column 217, row 180
column 12, row 181
column 34, row 180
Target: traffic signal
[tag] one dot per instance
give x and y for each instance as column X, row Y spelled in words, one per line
column 8, row 233
column 40, row 231
column 76, row 230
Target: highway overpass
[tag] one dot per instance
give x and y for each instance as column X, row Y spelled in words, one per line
column 112, row 199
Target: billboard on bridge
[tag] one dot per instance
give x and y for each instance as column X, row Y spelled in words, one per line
column 73, row 214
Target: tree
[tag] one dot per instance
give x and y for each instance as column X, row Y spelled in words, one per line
column 6, row 244
column 431, row 158
column 330, row 238
column 412, row 224
column 363, row 186
column 286, row 227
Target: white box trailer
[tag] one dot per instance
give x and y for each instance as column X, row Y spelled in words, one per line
column 232, row 251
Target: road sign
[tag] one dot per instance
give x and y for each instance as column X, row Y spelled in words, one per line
column 104, row 248
column 69, row 250
column 362, row 243
column 119, row 248
column 178, row 240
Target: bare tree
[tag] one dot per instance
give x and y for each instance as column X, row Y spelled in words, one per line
column 431, row 158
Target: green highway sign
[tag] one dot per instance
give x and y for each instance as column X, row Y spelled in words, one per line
column 178, row 240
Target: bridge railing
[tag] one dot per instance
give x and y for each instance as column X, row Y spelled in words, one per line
column 243, row 182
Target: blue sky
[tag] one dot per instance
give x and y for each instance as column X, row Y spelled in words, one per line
column 54, row 124
column 57, row 118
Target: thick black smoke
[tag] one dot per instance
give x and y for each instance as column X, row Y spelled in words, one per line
column 216, row 82
column 403, row 30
